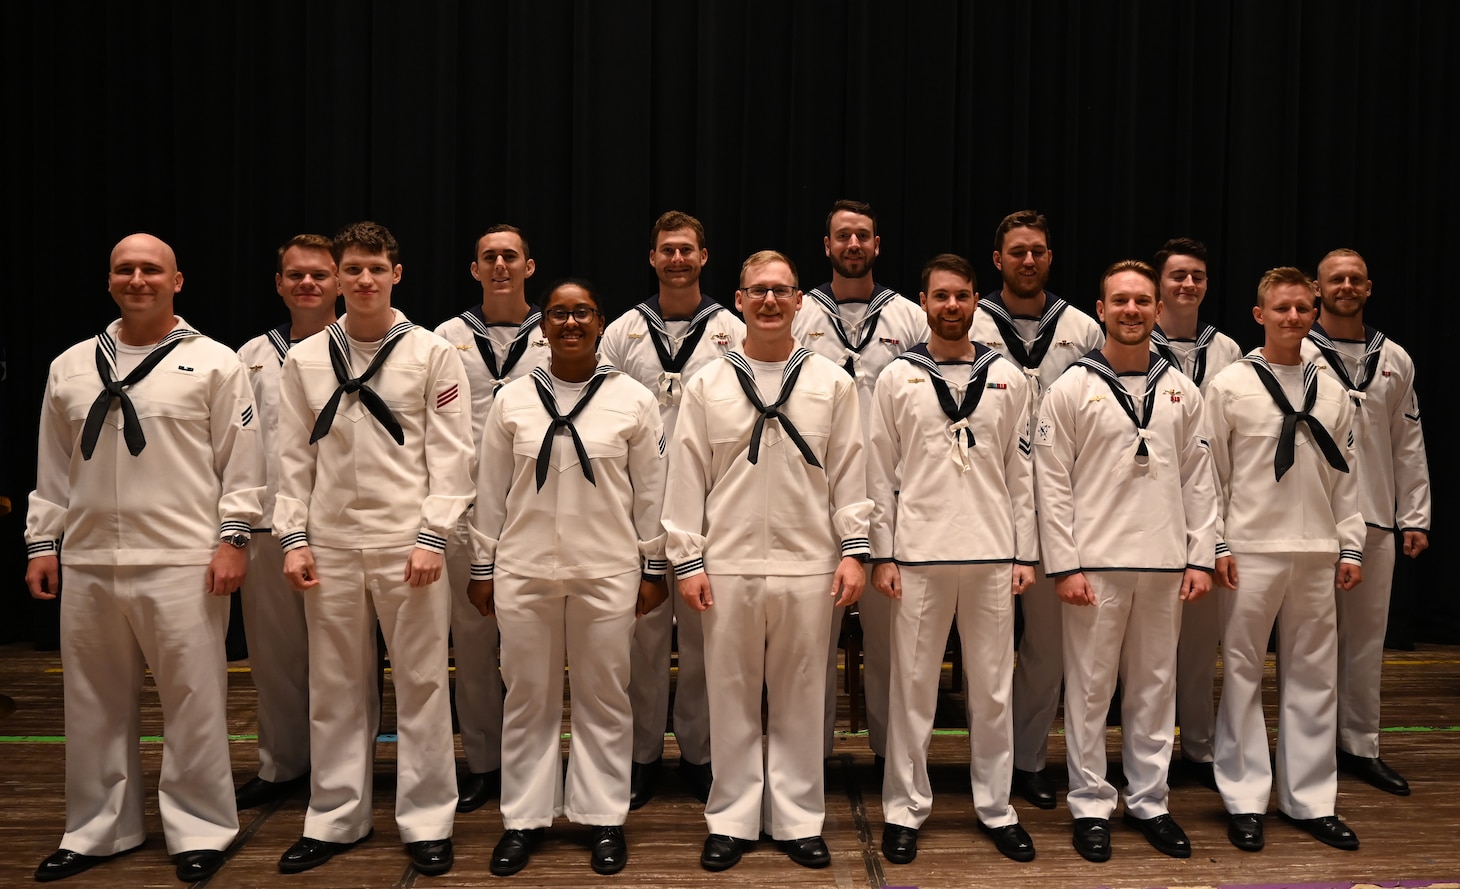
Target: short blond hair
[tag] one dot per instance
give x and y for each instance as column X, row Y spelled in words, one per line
column 766, row 257
column 1279, row 276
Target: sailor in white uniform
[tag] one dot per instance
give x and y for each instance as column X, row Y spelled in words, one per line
column 1290, row 529
column 567, row 551
column 1042, row 334
column 1394, row 496
column 861, row 326
column 375, row 471
column 953, row 537
column 766, row 515
column 273, row 612
column 150, row 469
column 497, row 341
column 662, row 342
column 1200, row 351
column 1124, row 487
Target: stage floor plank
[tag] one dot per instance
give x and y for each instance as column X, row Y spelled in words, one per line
column 1415, row 838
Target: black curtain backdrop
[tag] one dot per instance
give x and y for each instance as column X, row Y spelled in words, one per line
column 1273, row 131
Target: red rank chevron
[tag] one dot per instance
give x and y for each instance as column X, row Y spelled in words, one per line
column 448, row 396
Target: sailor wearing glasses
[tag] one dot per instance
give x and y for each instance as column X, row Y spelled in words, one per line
column 766, row 515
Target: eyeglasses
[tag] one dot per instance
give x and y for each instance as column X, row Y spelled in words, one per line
column 581, row 314
column 781, row 291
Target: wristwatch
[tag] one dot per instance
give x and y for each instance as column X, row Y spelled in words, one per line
column 238, row 541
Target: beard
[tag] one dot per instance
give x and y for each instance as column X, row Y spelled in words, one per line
column 868, row 260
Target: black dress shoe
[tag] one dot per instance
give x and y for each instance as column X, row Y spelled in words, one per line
column 258, row 792
column 721, row 852
column 1035, row 787
column 643, row 778
column 697, row 778
column 807, row 851
column 308, row 853
column 1012, row 841
column 899, row 844
column 475, row 788
column 1245, row 831
column 609, row 851
column 1327, row 829
column 197, row 865
column 1374, row 771
column 431, row 857
column 1163, row 833
column 513, row 850
column 1092, row 838
column 64, row 863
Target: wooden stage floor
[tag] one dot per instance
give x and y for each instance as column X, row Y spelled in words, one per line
column 1414, row 839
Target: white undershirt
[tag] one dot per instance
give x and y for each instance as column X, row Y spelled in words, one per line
column 767, row 378
column 128, row 357
column 362, row 353
column 1290, row 376
column 566, row 394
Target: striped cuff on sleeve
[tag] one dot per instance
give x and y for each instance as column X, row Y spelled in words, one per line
column 433, row 542
column 293, row 540
column 690, row 568
column 38, row 548
column 853, row 546
column 483, row 572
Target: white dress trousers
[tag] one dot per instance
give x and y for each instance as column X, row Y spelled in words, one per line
column 1038, row 673
column 764, row 631
column 356, row 587
column 1296, row 590
column 116, row 622
column 979, row 597
column 1129, row 634
column 474, row 648
column 589, row 622
column 1196, row 674
column 1363, row 616
column 649, row 684
column 278, row 658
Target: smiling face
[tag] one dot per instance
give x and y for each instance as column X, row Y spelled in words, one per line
column 144, row 278
column 1024, row 261
column 571, row 338
column 1128, row 308
column 502, row 266
column 677, row 258
column 1344, row 285
column 949, row 302
column 1183, row 282
column 1286, row 314
column 308, row 282
column 852, row 244
column 768, row 315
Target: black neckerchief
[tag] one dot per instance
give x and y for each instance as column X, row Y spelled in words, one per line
column 544, row 383
column 672, row 363
column 1096, row 362
column 1205, row 334
column 746, row 375
column 1368, row 366
column 111, row 388
column 881, row 296
column 1287, row 439
column 340, row 362
column 478, row 323
column 1030, row 359
column 957, row 413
